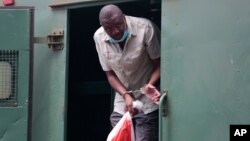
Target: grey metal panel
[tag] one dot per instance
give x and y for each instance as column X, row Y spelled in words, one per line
column 13, row 35
column 16, row 38
column 50, row 77
column 205, row 68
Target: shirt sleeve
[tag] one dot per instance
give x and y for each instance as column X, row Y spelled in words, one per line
column 102, row 58
column 152, row 40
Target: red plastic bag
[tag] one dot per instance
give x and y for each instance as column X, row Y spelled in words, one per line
column 123, row 131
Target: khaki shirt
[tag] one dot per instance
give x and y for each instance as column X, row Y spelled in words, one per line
column 132, row 64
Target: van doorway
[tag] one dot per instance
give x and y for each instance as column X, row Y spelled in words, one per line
column 90, row 97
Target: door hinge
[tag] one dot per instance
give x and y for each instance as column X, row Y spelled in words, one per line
column 164, row 107
column 54, row 40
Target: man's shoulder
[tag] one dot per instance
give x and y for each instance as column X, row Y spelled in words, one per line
column 138, row 20
column 99, row 31
column 100, row 34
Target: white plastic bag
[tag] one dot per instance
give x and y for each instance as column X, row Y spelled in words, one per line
column 124, row 130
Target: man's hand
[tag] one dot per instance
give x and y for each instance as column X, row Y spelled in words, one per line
column 129, row 105
column 152, row 93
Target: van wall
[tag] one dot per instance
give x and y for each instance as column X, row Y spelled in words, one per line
column 48, row 117
column 205, row 68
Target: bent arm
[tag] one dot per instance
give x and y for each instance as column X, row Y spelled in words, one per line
column 115, row 82
column 121, row 89
column 150, row 89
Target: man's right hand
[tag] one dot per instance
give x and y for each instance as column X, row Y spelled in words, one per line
column 129, row 105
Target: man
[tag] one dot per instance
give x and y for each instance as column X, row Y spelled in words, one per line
column 129, row 53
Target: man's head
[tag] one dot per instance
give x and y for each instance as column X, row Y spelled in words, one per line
column 113, row 21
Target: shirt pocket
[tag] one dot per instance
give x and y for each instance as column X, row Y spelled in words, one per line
column 136, row 55
column 113, row 59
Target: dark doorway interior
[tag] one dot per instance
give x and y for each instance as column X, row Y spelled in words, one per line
column 89, row 94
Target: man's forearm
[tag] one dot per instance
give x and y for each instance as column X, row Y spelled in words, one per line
column 155, row 76
column 115, row 82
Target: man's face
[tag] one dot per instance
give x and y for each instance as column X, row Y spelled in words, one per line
column 114, row 26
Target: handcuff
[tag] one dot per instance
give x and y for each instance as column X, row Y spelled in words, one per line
column 127, row 92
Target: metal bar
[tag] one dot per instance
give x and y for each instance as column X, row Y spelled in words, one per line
column 40, row 40
column 72, row 3
column 162, row 112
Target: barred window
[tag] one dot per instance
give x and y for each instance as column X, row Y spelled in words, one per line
column 8, row 77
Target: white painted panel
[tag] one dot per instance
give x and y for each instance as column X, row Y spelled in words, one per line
column 5, row 80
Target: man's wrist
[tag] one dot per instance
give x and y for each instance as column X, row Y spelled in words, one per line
column 127, row 92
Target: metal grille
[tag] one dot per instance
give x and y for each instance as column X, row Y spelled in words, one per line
column 8, row 77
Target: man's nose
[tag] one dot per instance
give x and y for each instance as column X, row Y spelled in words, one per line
column 115, row 31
